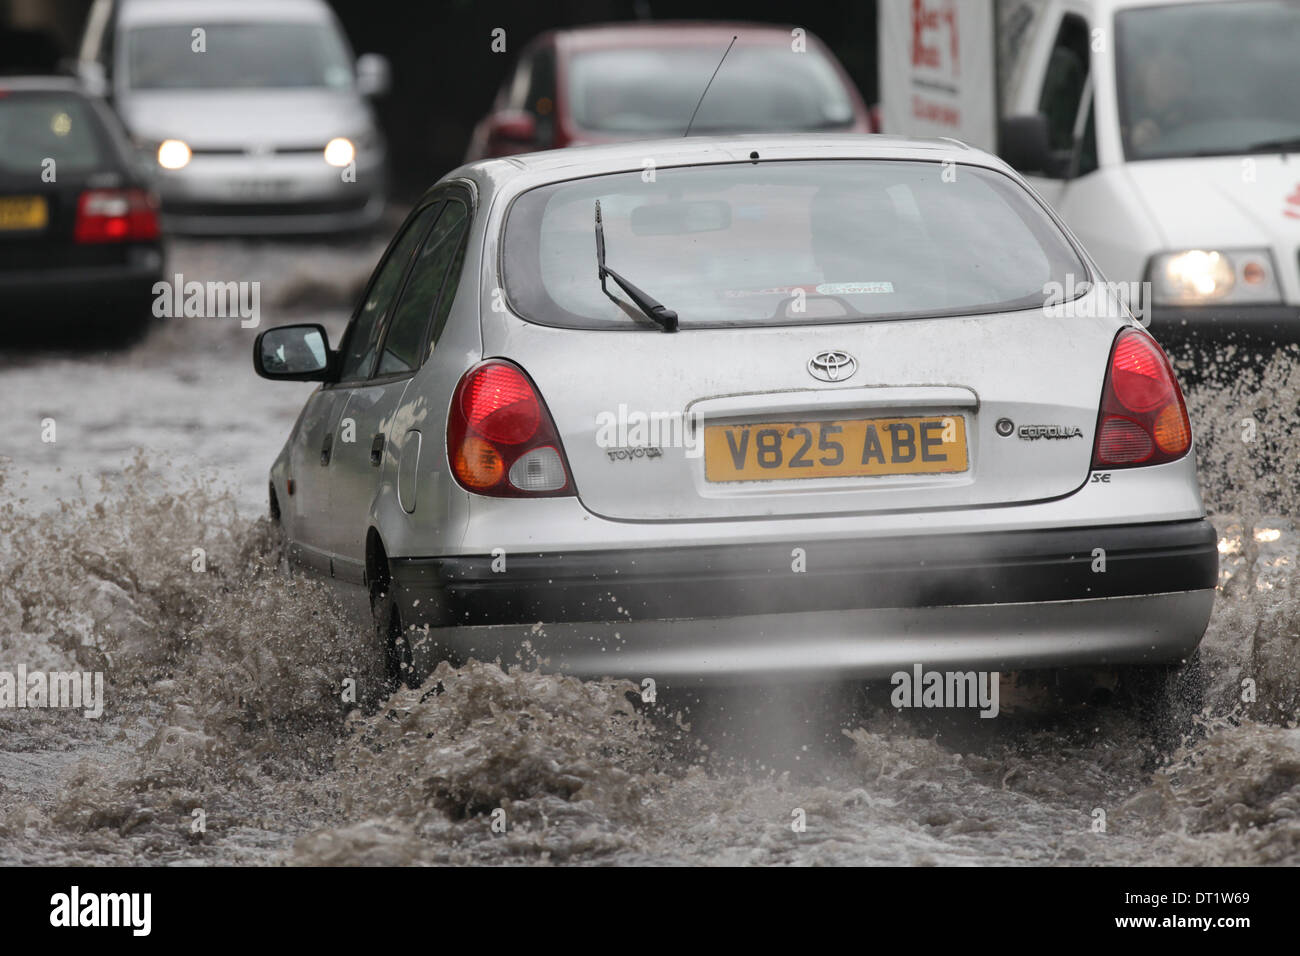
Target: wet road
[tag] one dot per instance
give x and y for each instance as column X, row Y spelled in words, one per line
column 227, row 736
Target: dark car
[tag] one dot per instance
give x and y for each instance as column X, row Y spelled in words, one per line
column 603, row 84
column 80, row 248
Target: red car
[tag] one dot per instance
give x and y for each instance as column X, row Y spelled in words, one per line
column 642, row 80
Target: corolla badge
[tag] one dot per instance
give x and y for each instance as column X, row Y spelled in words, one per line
column 1035, row 432
column 832, row 366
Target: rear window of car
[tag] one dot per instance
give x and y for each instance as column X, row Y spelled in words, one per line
column 36, row 127
column 786, row 243
column 655, row 89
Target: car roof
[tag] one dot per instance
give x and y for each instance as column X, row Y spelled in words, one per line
column 1102, row 9
column 140, row 12
column 670, row 33
column 526, row 170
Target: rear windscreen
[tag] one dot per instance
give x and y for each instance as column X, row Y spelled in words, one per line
column 786, row 243
column 37, row 127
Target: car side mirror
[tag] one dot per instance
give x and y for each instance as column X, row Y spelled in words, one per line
column 374, row 74
column 294, row 353
column 93, row 77
column 1023, row 143
column 512, row 129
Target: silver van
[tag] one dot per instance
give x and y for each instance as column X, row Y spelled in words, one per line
column 252, row 115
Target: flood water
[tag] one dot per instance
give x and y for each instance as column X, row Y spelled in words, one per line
column 227, row 735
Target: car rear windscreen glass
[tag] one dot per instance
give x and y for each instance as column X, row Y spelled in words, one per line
column 237, row 56
column 786, row 243
column 655, row 90
column 36, row 128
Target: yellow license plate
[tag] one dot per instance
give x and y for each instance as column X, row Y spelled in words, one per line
column 840, row 449
column 23, row 212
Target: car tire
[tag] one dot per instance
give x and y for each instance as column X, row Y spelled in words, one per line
column 392, row 636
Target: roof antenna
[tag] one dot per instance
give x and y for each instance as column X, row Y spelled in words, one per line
column 706, row 87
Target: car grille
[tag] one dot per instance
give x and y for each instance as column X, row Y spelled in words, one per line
column 246, row 151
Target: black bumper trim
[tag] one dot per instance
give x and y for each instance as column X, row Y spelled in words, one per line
column 725, row 581
column 114, row 281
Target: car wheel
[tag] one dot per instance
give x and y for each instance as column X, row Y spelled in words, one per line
column 399, row 663
column 1167, row 697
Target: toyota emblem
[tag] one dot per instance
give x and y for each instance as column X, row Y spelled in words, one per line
column 832, row 366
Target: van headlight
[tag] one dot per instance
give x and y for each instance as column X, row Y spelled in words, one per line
column 174, row 154
column 1203, row 276
column 339, row 151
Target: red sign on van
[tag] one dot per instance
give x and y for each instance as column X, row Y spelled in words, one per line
column 927, row 20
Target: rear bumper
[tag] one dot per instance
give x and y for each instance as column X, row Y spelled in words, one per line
column 83, row 296
column 859, row 604
column 719, row 581
column 110, row 281
column 862, row 644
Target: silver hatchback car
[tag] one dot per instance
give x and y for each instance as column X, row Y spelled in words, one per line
column 747, row 407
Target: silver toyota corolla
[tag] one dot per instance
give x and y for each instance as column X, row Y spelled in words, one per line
column 746, row 407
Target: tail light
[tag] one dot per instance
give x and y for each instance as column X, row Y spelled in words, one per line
column 501, row 441
column 116, row 215
column 1143, row 419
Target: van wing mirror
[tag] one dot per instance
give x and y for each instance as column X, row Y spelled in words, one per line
column 374, row 74
column 1023, row 143
column 93, row 77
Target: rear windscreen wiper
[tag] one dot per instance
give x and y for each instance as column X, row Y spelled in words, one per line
column 663, row 317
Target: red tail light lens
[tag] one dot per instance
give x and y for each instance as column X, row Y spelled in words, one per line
column 1143, row 418
column 501, row 440
column 1136, row 373
column 501, row 405
column 116, row 215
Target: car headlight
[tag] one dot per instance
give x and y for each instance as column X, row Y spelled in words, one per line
column 1203, row 276
column 173, row 154
column 340, row 151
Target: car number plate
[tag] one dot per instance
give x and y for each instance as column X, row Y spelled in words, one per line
column 260, row 188
column 837, row 449
column 23, row 212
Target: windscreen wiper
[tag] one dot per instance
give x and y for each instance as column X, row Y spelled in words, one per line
column 1289, row 144
column 665, row 318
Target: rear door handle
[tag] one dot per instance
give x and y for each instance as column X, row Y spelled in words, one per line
column 326, row 448
column 377, row 449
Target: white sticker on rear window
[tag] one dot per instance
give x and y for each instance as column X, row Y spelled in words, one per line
column 751, row 293
column 854, row 288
